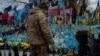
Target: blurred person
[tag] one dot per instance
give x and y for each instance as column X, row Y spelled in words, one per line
column 38, row 32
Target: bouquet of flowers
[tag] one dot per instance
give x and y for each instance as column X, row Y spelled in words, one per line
column 92, row 30
column 1, row 47
column 9, row 43
column 24, row 46
column 21, row 44
column 1, row 44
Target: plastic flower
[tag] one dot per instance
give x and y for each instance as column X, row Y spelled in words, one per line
column 84, row 22
column 60, row 20
column 16, row 43
column 9, row 43
column 93, row 32
column 25, row 45
column 1, row 44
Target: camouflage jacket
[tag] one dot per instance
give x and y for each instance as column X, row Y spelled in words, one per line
column 38, row 31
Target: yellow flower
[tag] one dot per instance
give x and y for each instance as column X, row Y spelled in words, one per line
column 93, row 32
column 25, row 45
column 60, row 21
column 84, row 22
column 16, row 43
column 1, row 44
column 9, row 43
column 22, row 44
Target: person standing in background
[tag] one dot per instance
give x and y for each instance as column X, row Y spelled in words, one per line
column 38, row 32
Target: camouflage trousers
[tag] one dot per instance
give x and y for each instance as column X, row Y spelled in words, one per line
column 39, row 50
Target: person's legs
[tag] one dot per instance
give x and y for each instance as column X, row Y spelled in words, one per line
column 33, row 49
column 43, row 51
column 39, row 51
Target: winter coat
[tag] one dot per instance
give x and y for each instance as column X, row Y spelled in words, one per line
column 38, row 31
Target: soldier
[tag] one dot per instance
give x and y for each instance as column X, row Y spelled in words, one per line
column 38, row 32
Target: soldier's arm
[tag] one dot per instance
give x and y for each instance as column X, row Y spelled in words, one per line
column 45, row 29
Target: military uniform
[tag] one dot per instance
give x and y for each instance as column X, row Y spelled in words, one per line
column 38, row 32
column 39, row 51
